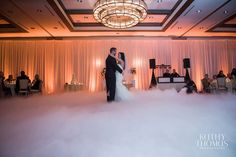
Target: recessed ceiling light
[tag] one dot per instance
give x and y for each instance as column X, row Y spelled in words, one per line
column 226, row 12
column 39, row 11
column 198, row 11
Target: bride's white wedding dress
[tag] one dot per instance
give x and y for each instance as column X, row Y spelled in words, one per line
column 122, row 93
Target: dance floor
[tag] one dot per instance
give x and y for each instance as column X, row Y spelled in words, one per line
column 152, row 124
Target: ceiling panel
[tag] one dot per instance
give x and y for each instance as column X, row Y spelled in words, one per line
column 225, row 29
column 71, row 18
column 83, row 18
column 78, row 4
column 161, row 4
column 233, row 21
column 191, row 21
column 89, row 4
column 152, row 18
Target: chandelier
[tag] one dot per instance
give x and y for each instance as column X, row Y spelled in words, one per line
column 120, row 13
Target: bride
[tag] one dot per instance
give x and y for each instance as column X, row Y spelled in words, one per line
column 122, row 93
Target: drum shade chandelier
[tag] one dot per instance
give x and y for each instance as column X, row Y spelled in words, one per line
column 120, row 14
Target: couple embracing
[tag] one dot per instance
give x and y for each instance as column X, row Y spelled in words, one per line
column 115, row 67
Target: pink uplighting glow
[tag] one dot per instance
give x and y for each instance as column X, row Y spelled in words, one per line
column 56, row 61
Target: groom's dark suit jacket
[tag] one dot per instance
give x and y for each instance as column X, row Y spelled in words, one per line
column 111, row 67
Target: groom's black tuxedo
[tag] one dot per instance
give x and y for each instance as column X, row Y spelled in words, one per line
column 111, row 67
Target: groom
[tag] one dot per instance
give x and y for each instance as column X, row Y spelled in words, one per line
column 111, row 67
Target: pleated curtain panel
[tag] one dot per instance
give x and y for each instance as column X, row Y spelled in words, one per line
column 57, row 60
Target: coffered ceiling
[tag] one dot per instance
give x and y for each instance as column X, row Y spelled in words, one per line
column 74, row 18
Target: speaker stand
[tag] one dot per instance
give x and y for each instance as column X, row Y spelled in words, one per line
column 187, row 76
column 153, row 80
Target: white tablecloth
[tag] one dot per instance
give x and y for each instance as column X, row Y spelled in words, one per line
column 164, row 86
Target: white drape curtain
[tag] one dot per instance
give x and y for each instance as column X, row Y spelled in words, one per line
column 55, row 61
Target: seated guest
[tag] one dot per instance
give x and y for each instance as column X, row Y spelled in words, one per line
column 206, row 84
column 9, row 79
column 233, row 83
column 2, row 78
column 220, row 74
column 21, row 77
column 3, row 88
column 228, row 77
column 233, row 73
column 174, row 74
column 191, row 86
column 36, row 84
column 9, row 90
column 167, row 73
column 229, row 81
column 214, row 84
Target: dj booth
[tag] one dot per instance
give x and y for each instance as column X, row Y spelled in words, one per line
column 164, row 83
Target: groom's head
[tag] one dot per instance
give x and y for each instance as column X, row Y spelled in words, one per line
column 113, row 50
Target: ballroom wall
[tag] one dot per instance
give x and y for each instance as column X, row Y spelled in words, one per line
column 56, row 60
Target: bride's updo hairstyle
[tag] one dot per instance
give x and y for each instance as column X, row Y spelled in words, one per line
column 122, row 56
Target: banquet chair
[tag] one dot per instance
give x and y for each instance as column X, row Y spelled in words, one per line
column 1, row 89
column 23, row 86
column 221, row 83
column 213, row 86
column 33, row 91
column 233, row 85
